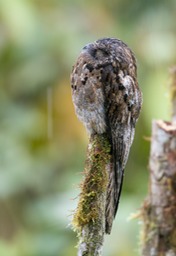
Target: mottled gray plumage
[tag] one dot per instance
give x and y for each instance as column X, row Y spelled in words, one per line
column 107, row 100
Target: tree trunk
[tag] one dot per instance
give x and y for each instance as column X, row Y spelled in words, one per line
column 159, row 209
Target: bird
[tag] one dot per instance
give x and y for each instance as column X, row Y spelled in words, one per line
column 107, row 100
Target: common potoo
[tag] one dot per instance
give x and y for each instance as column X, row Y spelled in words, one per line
column 107, row 99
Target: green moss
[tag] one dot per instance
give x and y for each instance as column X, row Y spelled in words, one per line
column 95, row 182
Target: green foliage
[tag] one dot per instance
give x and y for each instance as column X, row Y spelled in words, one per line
column 39, row 42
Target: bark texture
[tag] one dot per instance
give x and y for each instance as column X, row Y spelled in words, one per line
column 159, row 210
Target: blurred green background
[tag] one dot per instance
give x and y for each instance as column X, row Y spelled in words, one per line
column 42, row 144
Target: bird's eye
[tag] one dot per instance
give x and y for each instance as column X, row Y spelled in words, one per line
column 92, row 52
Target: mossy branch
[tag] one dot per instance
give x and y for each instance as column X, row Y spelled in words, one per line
column 89, row 218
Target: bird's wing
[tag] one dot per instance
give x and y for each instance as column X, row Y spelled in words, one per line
column 123, row 109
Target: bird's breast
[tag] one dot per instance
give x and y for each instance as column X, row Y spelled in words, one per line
column 90, row 107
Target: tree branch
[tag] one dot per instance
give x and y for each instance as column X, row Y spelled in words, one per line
column 89, row 218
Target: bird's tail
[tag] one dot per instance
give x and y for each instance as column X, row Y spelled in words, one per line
column 113, row 192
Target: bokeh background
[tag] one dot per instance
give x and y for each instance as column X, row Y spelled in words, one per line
column 42, row 144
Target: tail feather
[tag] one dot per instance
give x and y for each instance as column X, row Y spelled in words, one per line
column 121, row 143
column 113, row 192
